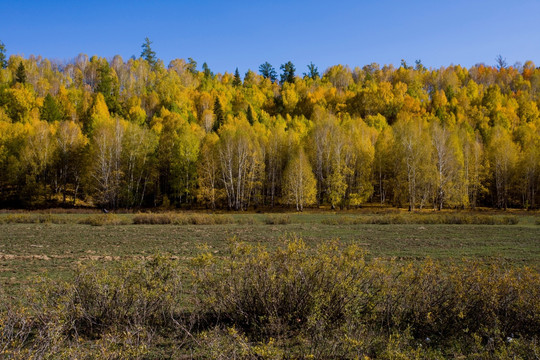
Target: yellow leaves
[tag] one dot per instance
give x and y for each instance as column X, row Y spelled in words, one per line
column 21, row 103
column 289, row 96
column 299, row 182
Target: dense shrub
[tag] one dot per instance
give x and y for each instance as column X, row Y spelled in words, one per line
column 181, row 219
column 104, row 219
column 277, row 219
column 32, row 219
column 449, row 218
column 118, row 310
column 290, row 302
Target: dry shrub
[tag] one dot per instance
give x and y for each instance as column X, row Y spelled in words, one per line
column 153, row 219
column 292, row 301
column 337, row 304
column 277, row 219
column 32, row 219
column 291, row 288
column 117, row 311
column 451, row 218
column 181, row 219
column 245, row 220
column 104, row 219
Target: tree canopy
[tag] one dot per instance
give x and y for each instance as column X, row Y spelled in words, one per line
column 135, row 133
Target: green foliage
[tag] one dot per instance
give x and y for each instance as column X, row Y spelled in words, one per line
column 50, row 111
column 313, row 72
column 218, row 113
column 107, row 85
column 288, row 72
column 268, row 72
column 147, row 53
column 192, row 66
column 237, row 79
column 3, row 60
column 20, row 74
column 206, row 71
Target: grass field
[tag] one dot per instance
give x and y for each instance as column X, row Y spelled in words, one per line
column 33, row 244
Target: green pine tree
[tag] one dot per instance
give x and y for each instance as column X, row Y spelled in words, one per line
column 107, row 85
column 20, row 74
column 50, row 111
column 147, row 53
column 237, row 79
column 313, row 72
column 207, row 72
column 218, row 113
column 268, row 71
column 191, row 66
column 3, row 61
column 288, row 72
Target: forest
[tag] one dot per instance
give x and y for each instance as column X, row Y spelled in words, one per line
column 136, row 134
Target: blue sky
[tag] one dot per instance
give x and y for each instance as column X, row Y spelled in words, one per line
column 244, row 34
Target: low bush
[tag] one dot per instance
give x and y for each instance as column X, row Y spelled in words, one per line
column 119, row 311
column 181, row 219
column 450, row 218
column 104, row 219
column 289, row 302
column 277, row 219
column 32, row 219
column 339, row 305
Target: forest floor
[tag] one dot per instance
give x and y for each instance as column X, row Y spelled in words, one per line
column 54, row 246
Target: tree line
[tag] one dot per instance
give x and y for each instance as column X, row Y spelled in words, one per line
column 137, row 133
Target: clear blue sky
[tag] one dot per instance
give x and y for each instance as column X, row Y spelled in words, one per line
column 244, row 34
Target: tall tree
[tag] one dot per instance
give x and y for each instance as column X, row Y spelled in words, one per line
column 240, row 162
column 501, row 62
column 108, row 85
column 503, row 154
column 237, row 81
column 313, row 72
column 191, row 66
column 207, row 72
column 218, row 113
column 50, row 111
column 3, row 60
column 299, row 182
column 147, row 53
column 288, row 72
column 20, row 74
column 268, row 72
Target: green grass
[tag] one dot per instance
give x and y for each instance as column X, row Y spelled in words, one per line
column 53, row 244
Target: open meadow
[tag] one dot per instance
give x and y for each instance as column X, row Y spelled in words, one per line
column 35, row 244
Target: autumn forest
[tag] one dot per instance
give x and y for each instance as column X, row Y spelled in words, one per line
column 137, row 133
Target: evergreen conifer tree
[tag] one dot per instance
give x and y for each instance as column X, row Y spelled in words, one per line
column 218, row 113
column 20, row 75
column 147, row 53
column 237, row 79
column 3, row 61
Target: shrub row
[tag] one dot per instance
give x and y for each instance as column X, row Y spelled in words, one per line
column 290, row 302
column 181, row 219
column 451, row 218
column 32, row 219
